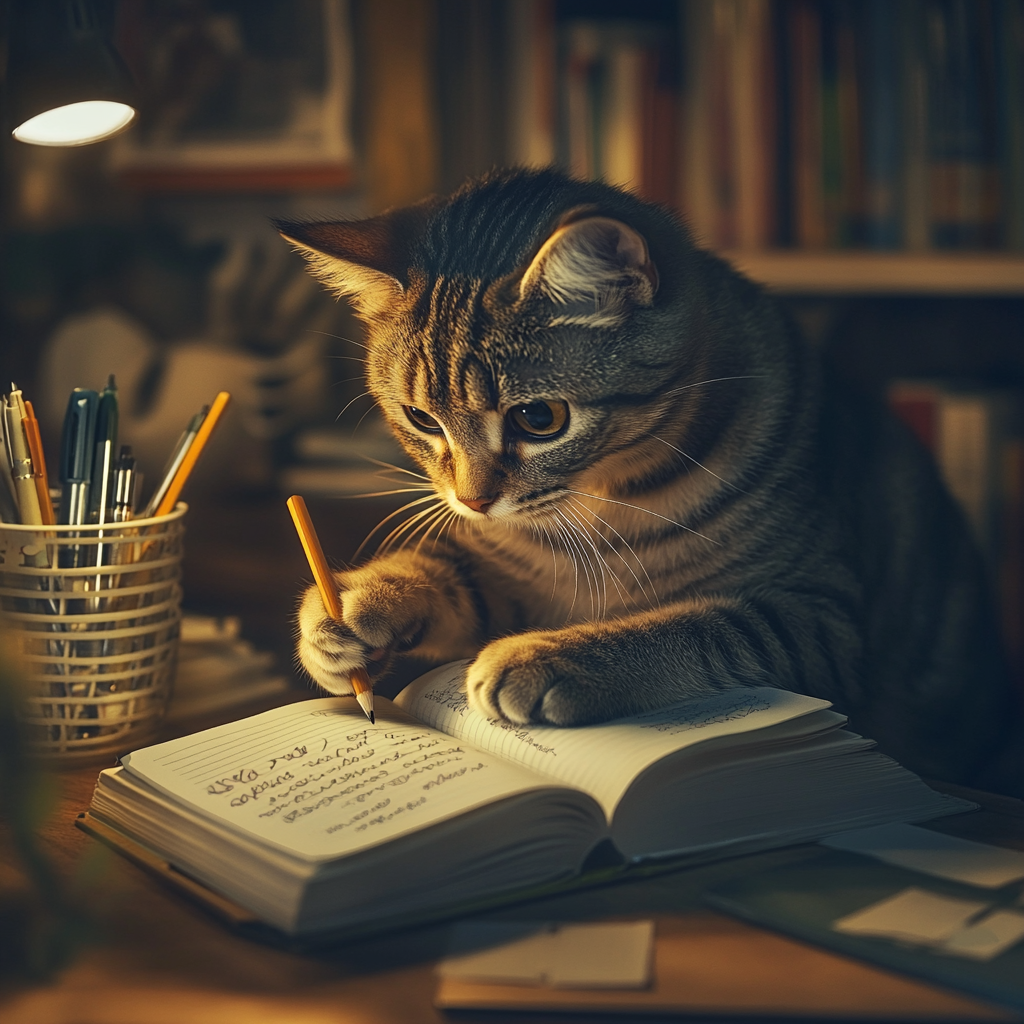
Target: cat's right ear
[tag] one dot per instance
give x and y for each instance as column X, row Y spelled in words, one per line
column 366, row 261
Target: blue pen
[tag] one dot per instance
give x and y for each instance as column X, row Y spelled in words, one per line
column 76, row 456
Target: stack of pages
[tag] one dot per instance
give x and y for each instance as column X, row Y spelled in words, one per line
column 315, row 820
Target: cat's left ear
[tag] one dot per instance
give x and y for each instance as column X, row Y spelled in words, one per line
column 593, row 270
column 364, row 260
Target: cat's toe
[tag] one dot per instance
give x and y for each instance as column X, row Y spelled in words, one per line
column 510, row 678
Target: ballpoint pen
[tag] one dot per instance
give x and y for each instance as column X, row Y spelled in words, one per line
column 8, row 500
column 35, row 447
column 175, row 461
column 103, row 460
column 125, row 483
column 76, row 456
column 359, row 678
column 21, row 459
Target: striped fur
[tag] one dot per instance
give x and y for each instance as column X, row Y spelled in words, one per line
column 716, row 514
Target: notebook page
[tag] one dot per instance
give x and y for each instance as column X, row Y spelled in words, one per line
column 317, row 780
column 601, row 760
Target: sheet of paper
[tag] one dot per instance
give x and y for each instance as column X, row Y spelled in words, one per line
column 318, row 780
column 987, row 938
column 921, row 849
column 607, row 955
column 600, row 759
column 913, row 915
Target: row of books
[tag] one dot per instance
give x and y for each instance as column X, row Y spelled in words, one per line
column 977, row 437
column 815, row 123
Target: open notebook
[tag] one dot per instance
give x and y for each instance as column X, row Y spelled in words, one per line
column 315, row 820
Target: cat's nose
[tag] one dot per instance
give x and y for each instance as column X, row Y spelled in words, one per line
column 479, row 504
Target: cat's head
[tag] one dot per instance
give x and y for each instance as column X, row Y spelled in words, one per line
column 525, row 335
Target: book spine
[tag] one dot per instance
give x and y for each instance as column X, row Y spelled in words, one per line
column 753, row 121
column 914, row 108
column 621, row 131
column 882, row 94
column 700, row 198
column 659, row 158
column 531, row 93
column 1008, row 32
column 805, row 35
column 963, row 187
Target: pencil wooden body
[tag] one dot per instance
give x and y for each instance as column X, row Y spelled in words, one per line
column 360, row 679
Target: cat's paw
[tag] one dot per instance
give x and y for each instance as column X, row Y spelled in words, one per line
column 382, row 612
column 545, row 677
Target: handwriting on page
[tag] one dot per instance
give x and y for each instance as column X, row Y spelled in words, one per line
column 321, row 781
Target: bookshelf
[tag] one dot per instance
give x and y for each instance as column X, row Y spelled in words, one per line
column 852, row 273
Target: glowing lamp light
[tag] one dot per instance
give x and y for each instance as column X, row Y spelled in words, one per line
column 66, row 83
column 76, row 124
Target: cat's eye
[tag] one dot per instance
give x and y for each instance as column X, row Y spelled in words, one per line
column 422, row 420
column 539, row 419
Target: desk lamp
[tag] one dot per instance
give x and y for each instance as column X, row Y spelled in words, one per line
column 66, row 84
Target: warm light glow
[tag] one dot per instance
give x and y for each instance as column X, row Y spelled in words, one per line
column 76, row 124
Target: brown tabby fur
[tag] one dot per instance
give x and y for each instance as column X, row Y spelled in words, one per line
column 717, row 513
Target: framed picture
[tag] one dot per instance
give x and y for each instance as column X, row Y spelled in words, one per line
column 238, row 96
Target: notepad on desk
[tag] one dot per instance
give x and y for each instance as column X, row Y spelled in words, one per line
column 316, row 821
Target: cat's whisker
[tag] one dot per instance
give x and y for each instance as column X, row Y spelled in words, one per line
column 560, row 530
column 338, row 337
column 638, row 508
column 728, row 483
column 432, row 521
column 355, row 359
column 628, row 547
column 345, row 380
column 589, row 572
column 583, row 535
column 397, row 469
column 389, row 542
column 397, row 490
column 715, row 380
column 589, row 531
column 365, row 394
column 386, row 519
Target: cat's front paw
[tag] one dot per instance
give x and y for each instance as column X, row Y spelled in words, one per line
column 546, row 677
column 383, row 611
column 327, row 649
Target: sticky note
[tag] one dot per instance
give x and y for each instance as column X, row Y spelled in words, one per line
column 606, row 955
column 921, row 849
column 913, row 915
column 987, row 938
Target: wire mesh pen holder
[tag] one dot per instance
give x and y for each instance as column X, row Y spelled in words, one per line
column 96, row 610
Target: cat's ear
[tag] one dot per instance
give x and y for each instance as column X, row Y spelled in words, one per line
column 593, row 269
column 364, row 260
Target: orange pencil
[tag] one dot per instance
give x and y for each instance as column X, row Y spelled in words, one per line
column 361, row 685
column 195, row 450
column 35, row 449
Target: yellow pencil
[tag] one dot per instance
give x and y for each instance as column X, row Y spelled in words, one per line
column 195, row 450
column 361, row 685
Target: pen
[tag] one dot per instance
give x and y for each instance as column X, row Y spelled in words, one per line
column 104, row 454
column 174, row 463
column 76, row 452
column 35, row 447
column 8, row 500
column 21, row 459
column 361, row 685
column 195, row 449
column 125, row 481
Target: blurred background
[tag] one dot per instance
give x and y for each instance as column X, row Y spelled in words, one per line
column 864, row 158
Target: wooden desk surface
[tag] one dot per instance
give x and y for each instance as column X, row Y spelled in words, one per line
column 150, row 957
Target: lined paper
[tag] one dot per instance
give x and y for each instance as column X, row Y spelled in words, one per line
column 600, row 759
column 317, row 780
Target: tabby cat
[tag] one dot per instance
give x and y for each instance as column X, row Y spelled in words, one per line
column 644, row 485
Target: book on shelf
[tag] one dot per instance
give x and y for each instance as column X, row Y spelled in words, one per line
column 976, row 435
column 317, row 822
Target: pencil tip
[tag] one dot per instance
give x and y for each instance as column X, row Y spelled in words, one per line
column 373, row 718
column 111, row 383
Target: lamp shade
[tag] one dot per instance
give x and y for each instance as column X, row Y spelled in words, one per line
column 66, row 84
